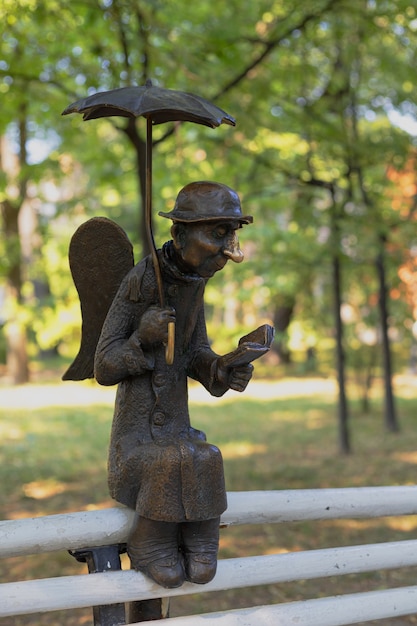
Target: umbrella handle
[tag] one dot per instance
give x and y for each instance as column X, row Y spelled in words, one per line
column 169, row 350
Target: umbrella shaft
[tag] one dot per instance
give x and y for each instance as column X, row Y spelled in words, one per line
column 148, row 211
column 169, row 352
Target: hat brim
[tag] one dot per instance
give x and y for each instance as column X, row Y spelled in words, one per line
column 177, row 217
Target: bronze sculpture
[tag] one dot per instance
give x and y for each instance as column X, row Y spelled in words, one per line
column 159, row 465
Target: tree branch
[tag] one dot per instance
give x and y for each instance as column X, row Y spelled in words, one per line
column 269, row 46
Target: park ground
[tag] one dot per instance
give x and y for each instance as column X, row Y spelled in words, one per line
column 277, row 435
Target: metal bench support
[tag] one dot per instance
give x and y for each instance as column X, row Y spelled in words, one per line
column 107, row 558
column 103, row 559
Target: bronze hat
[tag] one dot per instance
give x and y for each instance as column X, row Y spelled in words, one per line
column 204, row 201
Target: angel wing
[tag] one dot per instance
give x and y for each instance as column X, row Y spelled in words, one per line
column 100, row 256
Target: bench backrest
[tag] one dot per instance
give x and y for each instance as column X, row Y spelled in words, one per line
column 107, row 527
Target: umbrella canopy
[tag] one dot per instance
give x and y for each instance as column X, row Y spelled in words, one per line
column 157, row 105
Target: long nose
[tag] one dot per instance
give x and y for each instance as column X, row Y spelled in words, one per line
column 232, row 250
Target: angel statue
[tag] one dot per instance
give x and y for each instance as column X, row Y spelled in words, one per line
column 159, row 465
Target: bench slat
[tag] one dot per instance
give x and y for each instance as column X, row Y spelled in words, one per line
column 332, row 611
column 105, row 527
column 69, row 592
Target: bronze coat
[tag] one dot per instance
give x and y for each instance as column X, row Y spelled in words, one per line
column 158, row 464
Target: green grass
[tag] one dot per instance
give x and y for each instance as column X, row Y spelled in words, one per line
column 53, row 460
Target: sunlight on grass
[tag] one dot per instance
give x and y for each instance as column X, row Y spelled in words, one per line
column 11, row 432
column 277, row 551
column 404, row 524
column 41, row 489
column 268, row 390
column 406, row 457
column 315, row 419
column 357, row 524
column 239, row 449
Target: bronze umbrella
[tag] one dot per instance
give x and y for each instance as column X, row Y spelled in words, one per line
column 158, row 106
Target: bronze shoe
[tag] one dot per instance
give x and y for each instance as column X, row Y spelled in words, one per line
column 153, row 549
column 167, row 571
column 200, row 542
column 200, row 568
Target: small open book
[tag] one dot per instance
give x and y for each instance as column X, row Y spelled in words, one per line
column 250, row 347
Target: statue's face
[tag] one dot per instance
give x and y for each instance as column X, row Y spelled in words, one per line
column 205, row 247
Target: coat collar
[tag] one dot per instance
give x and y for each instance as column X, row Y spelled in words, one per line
column 170, row 268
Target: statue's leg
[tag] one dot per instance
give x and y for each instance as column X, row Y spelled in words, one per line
column 153, row 549
column 200, row 543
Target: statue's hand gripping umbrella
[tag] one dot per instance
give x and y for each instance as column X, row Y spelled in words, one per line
column 158, row 106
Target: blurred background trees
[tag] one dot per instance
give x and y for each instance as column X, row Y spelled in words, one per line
column 323, row 156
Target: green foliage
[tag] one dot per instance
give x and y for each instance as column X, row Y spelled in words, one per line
column 314, row 87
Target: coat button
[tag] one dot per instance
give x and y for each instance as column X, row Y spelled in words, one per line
column 158, row 418
column 173, row 290
column 131, row 363
column 159, row 379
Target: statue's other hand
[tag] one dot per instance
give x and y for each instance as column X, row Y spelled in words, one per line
column 153, row 326
column 240, row 376
column 236, row 378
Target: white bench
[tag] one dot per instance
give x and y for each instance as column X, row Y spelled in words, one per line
column 110, row 526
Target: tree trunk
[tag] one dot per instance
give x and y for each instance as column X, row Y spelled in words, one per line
column 15, row 332
column 344, row 440
column 14, row 170
column 282, row 318
column 390, row 417
column 139, row 146
column 17, row 359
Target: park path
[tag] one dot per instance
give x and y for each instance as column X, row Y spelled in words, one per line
column 88, row 392
column 32, row 396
